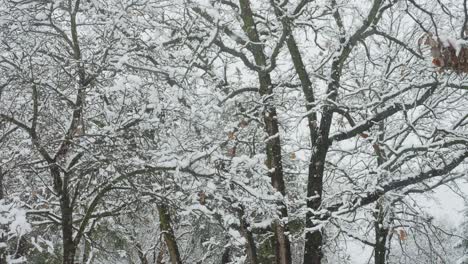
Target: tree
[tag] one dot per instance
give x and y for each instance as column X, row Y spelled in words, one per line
column 244, row 131
column 341, row 94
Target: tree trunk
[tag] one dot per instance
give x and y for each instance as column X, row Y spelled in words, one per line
column 250, row 245
column 226, row 258
column 69, row 248
column 381, row 233
column 313, row 246
column 313, row 243
column 86, row 251
column 169, row 237
column 273, row 144
column 312, row 251
column 66, row 209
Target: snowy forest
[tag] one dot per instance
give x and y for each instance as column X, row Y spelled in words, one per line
column 233, row 131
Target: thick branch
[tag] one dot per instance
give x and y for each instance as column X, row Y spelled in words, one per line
column 395, row 185
column 387, row 112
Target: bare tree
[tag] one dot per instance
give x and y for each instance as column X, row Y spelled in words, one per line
column 244, row 131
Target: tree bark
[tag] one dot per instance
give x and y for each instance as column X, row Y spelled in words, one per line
column 381, row 233
column 313, row 245
column 226, row 258
column 66, row 209
column 250, row 245
column 273, row 144
column 312, row 251
column 69, row 247
column 169, row 237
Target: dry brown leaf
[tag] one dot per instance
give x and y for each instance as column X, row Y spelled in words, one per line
column 231, row 135
column 403, row 235
column 292, row 156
